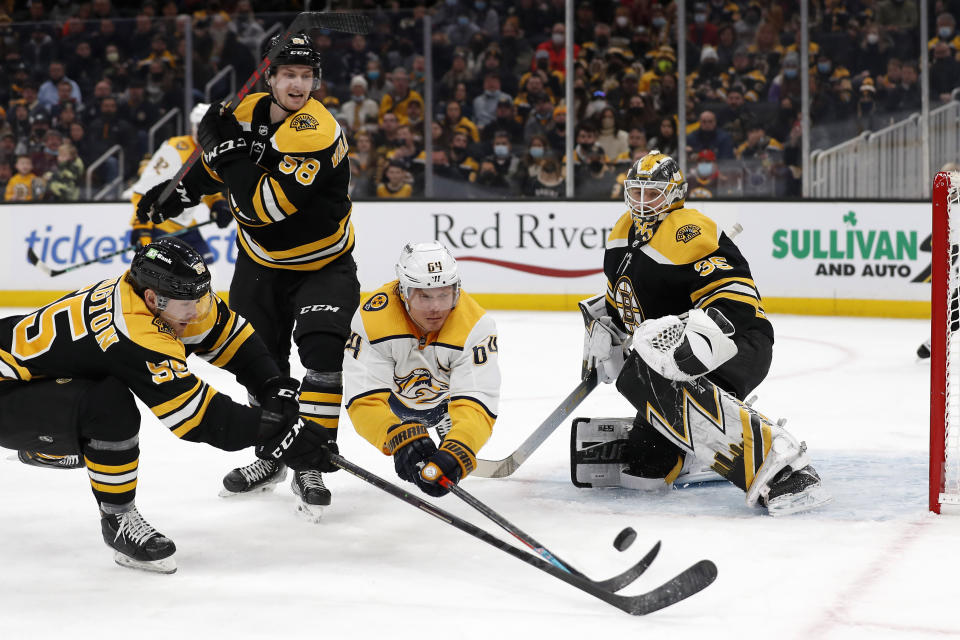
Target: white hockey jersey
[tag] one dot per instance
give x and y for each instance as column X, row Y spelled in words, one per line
column 163, row 166
column 393, row 373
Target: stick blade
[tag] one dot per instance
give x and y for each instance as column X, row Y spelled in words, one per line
column 35, row 260
column 688, row 582
column 338, row 21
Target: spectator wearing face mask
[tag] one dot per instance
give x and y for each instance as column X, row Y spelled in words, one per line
column 538, row 152
column 709, row 136
column 610, row 136
column 704, row 178
column 664, row 61
column 485, row 105
column 488, row 181
column 556, row 48
column 787, row 83
column 874, row 51
column 505, row 160
column 702, row 32
column 549, row 182
column 360, row 109
column 946, row 33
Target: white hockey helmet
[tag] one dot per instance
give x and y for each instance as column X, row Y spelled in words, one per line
column 427, row 265
column 196, row 115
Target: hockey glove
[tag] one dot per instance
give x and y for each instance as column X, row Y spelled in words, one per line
column 685, row 350
column 454, row 460
column 150, row 209
column 412, row 447
column 221, row 137
column 220, row 212
column 299, row 444
column 603, row 346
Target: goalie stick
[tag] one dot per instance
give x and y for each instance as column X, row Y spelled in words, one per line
column 35, row 260
column 615, row 583
column 691, row 580
column 504, row 467
column 331, row 20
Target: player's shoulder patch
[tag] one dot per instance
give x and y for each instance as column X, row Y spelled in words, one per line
column 376, row 302
column 303, row 121
column 686, row 235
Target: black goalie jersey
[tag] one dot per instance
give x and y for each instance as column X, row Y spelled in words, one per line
column 290, row 197
column 105, row 329
column 689, row 263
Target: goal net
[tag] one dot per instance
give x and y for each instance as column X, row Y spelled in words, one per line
column 945, row 344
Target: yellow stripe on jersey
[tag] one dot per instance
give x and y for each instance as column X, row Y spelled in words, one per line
column 716, row 284
column 326, row 250
column 175, row 403
column 753, row 302
column 258, row 206
column 11, row 370
column 187, row 426
column 228, row 353
column 316, row 397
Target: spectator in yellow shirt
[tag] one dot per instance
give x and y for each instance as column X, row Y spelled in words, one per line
column 24, row 186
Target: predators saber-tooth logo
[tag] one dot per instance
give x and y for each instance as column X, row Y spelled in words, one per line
column 303, row 121
column 420, row 387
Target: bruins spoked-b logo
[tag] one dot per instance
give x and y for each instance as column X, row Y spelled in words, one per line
column 627, row 305
column 687, row 232
column 375, row 303
column 303, row 121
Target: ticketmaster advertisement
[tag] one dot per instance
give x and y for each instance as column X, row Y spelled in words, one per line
column 837, row 257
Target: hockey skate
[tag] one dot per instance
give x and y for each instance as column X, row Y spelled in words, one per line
column 136, row 543
column 260, row 475
column 311, row 494
column 35, row 459
column 794, row 491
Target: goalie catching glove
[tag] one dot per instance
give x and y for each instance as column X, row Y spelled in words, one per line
column 300, row 444
column 684, row 350
column 603, row 342
column 417, row 459
column 151, row 209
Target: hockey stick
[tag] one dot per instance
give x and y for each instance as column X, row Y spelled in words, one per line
column 334, row 21
column 506, row 466
column 688, row 582
column 613, row 584
column 35, row 260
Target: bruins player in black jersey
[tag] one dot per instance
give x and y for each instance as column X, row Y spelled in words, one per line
column 283, row 159
column 682, row 330
column 84, row 357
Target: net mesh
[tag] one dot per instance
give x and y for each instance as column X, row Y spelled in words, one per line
column 950, row 492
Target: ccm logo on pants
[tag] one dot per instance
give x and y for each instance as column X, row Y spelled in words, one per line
column 318, row 307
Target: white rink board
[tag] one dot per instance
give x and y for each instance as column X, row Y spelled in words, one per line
column 841, row 250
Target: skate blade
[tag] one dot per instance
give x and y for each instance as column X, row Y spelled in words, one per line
column 166, row 565
column 312, row 513
column 805, row 501
column 226, row 493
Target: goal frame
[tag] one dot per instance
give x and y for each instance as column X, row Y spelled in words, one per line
column 940, row 333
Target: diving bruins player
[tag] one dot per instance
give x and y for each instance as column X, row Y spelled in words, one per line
column 81, row 360
column 423, row 356
column 681, row 308
column 283, row 158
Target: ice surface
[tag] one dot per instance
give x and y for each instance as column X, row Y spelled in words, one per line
column 872, row 564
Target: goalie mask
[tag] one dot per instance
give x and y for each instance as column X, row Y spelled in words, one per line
column 653, row 188
column 427, row 265
column 297, row 51
column 180, row 278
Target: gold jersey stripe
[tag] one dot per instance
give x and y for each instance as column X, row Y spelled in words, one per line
column 225, row 333
column 719, row 283
column 281, row 198
column 187, row 426
column 229, row 352
column 21, row 371
column 753, row 302
column 311, row 265
column 110, row 468
column 258, row 207
column 175, row 403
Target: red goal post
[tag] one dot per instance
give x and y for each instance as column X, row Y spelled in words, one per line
column 945, row 343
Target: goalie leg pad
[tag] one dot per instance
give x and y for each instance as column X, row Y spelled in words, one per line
column 704, row 421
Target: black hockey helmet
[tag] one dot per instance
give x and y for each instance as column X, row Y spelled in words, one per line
column 172, row 268
column 297, row 50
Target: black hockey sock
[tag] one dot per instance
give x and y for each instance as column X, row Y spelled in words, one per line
column 112, row 467
column 321, row 393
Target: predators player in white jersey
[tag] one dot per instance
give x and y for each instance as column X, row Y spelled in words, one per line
column 69, row 373
column 681, row 307
column 283, row 159
column 164, row 165
column 422, row 359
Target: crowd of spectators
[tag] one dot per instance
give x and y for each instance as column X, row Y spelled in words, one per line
column 79, row 78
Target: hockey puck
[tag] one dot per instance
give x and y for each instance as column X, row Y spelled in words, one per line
column 624, row 539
